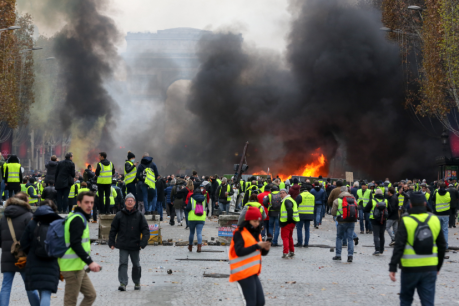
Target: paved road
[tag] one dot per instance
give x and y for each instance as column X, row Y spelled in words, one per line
column 311, row 278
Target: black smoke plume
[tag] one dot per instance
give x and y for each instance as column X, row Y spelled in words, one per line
column 340, row 84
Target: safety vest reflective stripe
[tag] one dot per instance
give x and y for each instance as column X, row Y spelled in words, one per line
column 82, row 240
column 442, row 202
column 248, row 265
column 239, row 259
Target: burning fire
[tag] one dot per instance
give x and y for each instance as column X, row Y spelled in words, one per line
column 313, row 169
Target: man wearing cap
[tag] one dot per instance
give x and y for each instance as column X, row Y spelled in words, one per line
column 289, row 216
column 125, row 234
column 419, row 271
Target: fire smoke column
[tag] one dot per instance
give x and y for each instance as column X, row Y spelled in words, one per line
column 85, row 49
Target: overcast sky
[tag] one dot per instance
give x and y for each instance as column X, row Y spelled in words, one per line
column 262, row 22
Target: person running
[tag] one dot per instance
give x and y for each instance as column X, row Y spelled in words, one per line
column 41, row 271
column 245, row 254
column 420, row 263
column 196, row 209
column 129, row 233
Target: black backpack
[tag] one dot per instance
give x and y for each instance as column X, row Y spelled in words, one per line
column 276, row 202
column 380, row 212
column 41, row 230
column 423, row 238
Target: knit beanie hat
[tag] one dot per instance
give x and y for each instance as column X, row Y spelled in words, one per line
column 130, row 155
column 253, row 213
column 417, row 198
column 129, row 195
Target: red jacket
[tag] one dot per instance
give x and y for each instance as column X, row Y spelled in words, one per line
column 260, row 197
column 294, row 191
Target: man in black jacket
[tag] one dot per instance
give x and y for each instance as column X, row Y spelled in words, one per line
column 128, row 224
column 50, row 193
column 392, row 219
column 454, row 204
column 418, row 271
column 65, row 173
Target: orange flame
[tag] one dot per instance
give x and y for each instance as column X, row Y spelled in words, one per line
column 313, row 169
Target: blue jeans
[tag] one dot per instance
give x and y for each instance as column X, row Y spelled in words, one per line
column 423, row 282
column 317, row 214
column 444, row 222
column 224, row 207
column 299, row 231
column 45, row 297
column 159, row 209
column 274, row 227
column 149, row 206
column 348, row 230
column 265, row 228
column 323, row 212
column 368, row 224
column 195, row 227
column 2, row 188
column 354, row 235
column 8, row 278
column 362, row 228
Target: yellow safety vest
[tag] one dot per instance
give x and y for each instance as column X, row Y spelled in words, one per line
column 71, row 261
column 130, row 177
column 34, row 192
column 150, row 180
column 192, row 216
column 105, row 175
column 307, row 203
column 442, row 203
column 13, row 172
column 256, row 205
column 410, row 258
column 228, row 198
column 365, row 197
column 284, row 215
column 374, row 202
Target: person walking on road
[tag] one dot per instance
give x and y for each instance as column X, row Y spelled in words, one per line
column 64, row 179
column 320, row 197
column 104, row 173
column 41, row 271
column 16, row 216
column 378, row 219
column 196, row 209
column 245, row 254
column 306, row 202
column 288, row 218
column 273, row 201
column 392, row 219
column 441, row 202
column 12, row 175
column 345, row 228
column 127, row 228
column 420, row 259
column 79, row 254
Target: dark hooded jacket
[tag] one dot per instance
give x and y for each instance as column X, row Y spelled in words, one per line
column 40, row 274
column 161, row 190
column 179, row 193
column 126, row 229
column 65, row 173
column 294, row 191
column 105, row 162
column 50, row 193
column 21, row 214
column 13, row 159
column 146, row 162
column 432, row 199
column 198, row 197
column 88, row 174
column 51, row 168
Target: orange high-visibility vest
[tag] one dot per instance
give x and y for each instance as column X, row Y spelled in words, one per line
column 244, row 266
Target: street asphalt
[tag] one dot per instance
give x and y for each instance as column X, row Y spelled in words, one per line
column 311, row 278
